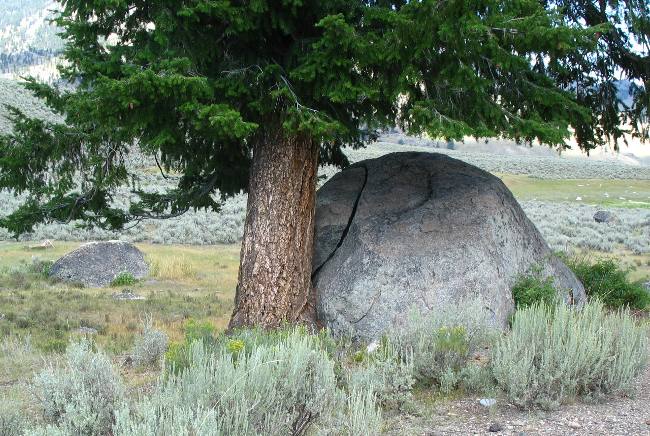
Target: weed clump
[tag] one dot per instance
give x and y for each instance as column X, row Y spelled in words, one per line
column 177, row 357
column 124, row 279
column 386, row 372
column 534, row 289
column 442, row 343
column 553, row 355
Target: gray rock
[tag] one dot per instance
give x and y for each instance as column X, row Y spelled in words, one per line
column 87, row 331
column 495, row 428
column 487, row 402
column 423, row 231
column 96, row 264
column 127, row 295
column 604, row 216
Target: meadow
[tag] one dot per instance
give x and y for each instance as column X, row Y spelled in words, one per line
column 189, row 294
column 185, row 282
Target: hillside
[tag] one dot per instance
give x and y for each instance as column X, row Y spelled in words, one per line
column 14, row 94
column 28, row 42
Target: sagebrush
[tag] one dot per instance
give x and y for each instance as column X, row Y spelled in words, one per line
column 80, row 397
column 554, row 355
column 150, row 346
column 442, row 342
column 286, row 385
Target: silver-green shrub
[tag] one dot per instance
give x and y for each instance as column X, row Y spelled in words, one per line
column 385, row 372
column 554, row 355
column 150, row 346
column 81, row 396
column 49, row 430
column 441, row 342
column 282, row 387
column 12, row 419
column 475, row 378
column 363, row 416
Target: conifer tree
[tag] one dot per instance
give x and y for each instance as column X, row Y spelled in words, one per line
column 254, row 95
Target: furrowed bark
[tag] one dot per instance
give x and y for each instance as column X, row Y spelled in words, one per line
column 276, row 256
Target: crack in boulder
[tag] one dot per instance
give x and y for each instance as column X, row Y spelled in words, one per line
column 372, row 305
column 344, row 234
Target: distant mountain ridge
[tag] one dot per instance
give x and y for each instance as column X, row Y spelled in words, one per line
column 28, row 41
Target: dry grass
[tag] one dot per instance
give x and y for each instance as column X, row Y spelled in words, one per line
column 174, row 268
column 186, row 282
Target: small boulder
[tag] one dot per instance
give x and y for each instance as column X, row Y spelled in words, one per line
column 604, row 216
column 127, row 295
column 495, row 428
column 96, row 264
column 487, row 402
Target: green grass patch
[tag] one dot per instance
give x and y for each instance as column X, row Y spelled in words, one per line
column 600, row 192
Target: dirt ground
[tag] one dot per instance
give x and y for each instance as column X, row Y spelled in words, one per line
column 616, row 416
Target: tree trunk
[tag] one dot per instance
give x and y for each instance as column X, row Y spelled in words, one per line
column 276, row 255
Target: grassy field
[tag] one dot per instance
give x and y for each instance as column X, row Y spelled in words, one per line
column 185, row 282
column 39, row 316
column 601, row 192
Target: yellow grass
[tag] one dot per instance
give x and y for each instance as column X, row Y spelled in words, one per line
column 174, row 268
column 184, row 282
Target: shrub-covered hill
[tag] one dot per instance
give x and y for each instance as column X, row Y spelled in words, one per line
column 14, row 94
column 27, row 38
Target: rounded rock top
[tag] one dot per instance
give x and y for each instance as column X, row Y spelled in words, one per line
column 96, row 264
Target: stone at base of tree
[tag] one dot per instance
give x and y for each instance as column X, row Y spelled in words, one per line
column 421, row 231
column 604, row 216
column 96, row 264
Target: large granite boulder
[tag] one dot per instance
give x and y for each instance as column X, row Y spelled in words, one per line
column 420, row 231
column 96, row 264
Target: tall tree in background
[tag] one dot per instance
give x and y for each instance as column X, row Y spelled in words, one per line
column 614, row 79
column 253, row 95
